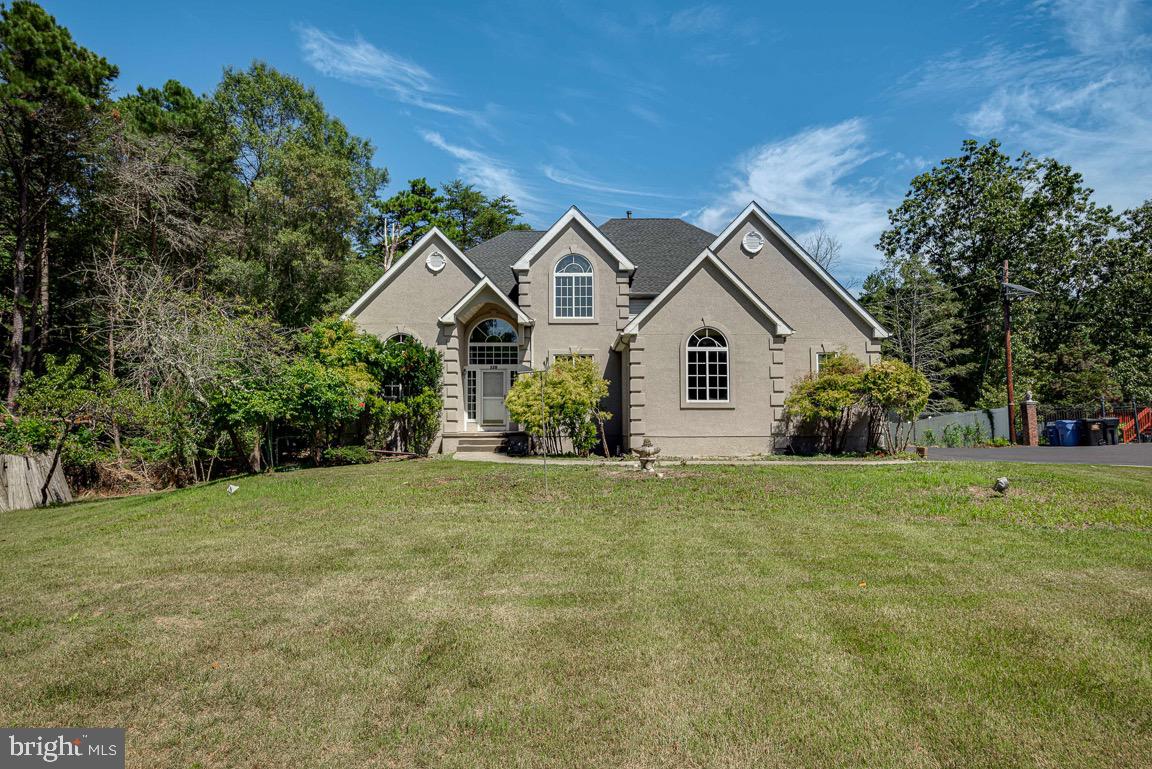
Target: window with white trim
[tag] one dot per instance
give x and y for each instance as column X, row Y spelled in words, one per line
column 573, row 356
column 493, row 343
column 470, row 393
column 401, row 337
column 821, row 359
column 573, row 287
column 707, row 365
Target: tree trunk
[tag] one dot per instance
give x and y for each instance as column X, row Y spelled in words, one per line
column 19, row 270
column 317, row 446
column 69, row 423
column 255, row 460
column 112, row 354
column 40, row 332
column 241, row 450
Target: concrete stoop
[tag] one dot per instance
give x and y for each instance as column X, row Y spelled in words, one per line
column 483, row 443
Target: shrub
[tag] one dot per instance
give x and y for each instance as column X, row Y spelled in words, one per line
column 562, row 402
column 829, row 398
column 348, row 455
column 25, row 436
column 968, row 435
column 929, row 438
column 319, row 399
column 894, row 390
column 412, row 424
column 973, row 435
column 368, row 368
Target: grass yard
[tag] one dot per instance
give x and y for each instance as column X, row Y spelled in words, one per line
column 448, row 614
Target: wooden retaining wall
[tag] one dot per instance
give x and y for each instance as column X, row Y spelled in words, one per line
column 21, row 479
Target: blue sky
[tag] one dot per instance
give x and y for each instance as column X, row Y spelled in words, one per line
column 821, row 111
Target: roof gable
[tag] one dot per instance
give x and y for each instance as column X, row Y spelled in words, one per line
column 573, row 216
column 707, row 256
column 754, row 210
column 484, row 284
column 404, row 262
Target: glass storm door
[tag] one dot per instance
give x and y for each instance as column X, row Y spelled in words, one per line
column 494, row 386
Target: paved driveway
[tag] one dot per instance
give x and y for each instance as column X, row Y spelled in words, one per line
column 1132, row 454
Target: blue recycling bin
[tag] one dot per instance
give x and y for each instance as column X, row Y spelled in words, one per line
column 1068, row 432
column 1052, row 434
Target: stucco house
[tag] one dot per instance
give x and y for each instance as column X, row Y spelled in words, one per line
column 700, row 335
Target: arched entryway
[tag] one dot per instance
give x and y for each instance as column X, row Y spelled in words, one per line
column 493, row 361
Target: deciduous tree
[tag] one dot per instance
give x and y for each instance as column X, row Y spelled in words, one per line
column 972, row 212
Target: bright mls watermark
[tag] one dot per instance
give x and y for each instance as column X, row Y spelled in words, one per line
column 73, row 748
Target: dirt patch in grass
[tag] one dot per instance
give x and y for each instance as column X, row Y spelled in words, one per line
column 983, row 493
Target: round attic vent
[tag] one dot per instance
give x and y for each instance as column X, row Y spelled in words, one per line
column 435, row 261
column 753, row 242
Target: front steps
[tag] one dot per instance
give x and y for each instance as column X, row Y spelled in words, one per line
column 483, row 443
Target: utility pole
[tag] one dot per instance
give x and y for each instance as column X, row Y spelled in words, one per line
column 1011, row 292
column 1008, row 354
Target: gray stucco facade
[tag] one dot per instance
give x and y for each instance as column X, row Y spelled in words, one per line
column 772, row 308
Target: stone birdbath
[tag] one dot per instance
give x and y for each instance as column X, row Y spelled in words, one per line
column 647, row 455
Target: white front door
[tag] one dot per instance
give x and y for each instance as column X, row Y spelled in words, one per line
column 493, row 388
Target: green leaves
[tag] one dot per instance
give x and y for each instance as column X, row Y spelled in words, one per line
column 962, row 220
column 843, row 387
column 896, row 388
column 361, row 366
column 305, row 184
column 564, row 401
column 825, row 396
column 462, row 213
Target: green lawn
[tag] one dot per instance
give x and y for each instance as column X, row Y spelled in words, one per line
column 449, row 614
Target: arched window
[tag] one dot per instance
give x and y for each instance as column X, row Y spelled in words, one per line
column 573, row 296
column 493, row 343
column 707, row 366
column 401, row 337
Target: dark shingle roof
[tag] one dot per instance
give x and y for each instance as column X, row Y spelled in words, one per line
column 660, row 249
column 495, row 257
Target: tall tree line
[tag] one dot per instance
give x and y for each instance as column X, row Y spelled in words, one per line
column 174, row 261
column 1085, row 336
column 252, row 194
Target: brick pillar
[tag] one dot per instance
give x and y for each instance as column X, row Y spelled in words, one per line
column 1031, row 425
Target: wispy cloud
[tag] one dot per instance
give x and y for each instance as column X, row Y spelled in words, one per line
column 1089, row 106
column 595, row 185
column 357, row 61
column 1098, row 26
column 712, row 30
column 646, row 114
column 698, row 19
column 486, row 172
column 814, row 175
